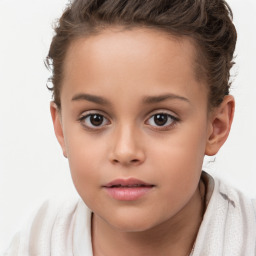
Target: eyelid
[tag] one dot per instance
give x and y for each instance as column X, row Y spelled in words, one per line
column 162, row 111
column 91, row 112
column 88, row 112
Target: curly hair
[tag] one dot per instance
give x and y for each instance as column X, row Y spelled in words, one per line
column 207, row 22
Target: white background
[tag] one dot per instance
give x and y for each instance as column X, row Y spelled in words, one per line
column 32, row 167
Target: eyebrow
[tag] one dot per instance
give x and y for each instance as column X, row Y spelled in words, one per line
column 91, row 98
column 160, row 98
column 146, row 100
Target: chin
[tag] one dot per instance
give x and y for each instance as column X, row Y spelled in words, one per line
column 132, row 227
column 131, row 222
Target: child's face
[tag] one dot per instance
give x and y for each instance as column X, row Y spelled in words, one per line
column 132, row 108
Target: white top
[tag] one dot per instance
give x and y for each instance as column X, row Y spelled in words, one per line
column 228, row 227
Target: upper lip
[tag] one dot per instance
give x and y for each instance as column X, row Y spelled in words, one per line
column 131, row 182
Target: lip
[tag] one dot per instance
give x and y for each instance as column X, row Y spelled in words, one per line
column 128, row 189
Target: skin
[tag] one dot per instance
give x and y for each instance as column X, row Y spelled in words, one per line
column 129, row 143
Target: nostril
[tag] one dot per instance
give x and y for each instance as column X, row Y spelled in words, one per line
column 133, row 161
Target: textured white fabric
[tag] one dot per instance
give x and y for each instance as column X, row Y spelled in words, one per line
column 228, row 228
column 229, row 225
column 56, row 230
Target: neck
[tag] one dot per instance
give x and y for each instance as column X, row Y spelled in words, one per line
column 176, row 236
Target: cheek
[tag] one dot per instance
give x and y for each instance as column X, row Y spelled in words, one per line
column 183, row 148
column 179, row 157
column 84, row 156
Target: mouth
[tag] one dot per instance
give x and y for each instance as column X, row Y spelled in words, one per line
column 128, row 186
column 127, row 183
column 128, row 189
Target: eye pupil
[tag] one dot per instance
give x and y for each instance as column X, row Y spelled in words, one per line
column 96, row 120
column 160, row 119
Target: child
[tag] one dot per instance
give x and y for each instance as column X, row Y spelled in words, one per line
column 141, row 95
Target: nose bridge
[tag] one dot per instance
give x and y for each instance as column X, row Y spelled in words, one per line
column 127, row 147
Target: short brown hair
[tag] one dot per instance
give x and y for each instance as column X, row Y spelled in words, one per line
column 208, row 22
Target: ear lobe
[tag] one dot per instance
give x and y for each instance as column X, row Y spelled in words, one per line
column 56, row 119
column 220, row 124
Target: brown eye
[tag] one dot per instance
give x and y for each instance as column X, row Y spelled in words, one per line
column 160, row 119
column 96, row 120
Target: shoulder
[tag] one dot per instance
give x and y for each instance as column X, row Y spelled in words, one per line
column 235, row 199
column 237, row 209
column 229, row 223
column 227, row 196
column 54, row 222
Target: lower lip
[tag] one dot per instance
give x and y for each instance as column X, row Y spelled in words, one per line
column 128, row 194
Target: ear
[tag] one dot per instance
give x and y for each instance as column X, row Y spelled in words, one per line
column 220, row 123
column 58, row 129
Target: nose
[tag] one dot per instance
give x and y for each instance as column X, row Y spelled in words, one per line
column 127, row 147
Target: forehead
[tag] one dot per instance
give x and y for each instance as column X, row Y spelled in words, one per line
column 151, row 43
column 138, row 59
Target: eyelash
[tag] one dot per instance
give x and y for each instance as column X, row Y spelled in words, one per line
column 170, row 120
